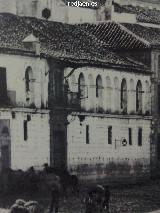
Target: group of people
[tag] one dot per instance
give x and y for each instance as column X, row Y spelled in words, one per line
column 96, row 200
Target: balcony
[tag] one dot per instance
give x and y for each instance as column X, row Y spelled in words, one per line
column 73, row 101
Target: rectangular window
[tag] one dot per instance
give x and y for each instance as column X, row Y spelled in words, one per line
column 3, row 84
column 140, row 137
column 87, row 134
column 158, row 99
column 110, row 135
column 25, row 127
column 158, row 146
column 130, row 136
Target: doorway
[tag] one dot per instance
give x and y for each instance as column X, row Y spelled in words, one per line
column 5, row 144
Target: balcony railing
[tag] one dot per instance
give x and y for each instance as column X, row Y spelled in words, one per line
column 73, row 100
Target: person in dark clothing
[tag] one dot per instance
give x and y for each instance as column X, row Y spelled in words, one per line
column 89, row 203
column 106, row 198
column 55, row 197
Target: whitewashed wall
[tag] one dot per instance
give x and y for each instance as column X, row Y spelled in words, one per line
column 15, row 71
column 36, row 150
column 80, row 15
column 59, row 11
column 124, row 17
column 98, row 151
column 111, row 80
column 8, row 6
column 95, row 158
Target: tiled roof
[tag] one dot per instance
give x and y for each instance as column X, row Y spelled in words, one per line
column 69, row 43
column 115, row 35
column 144, row 14
column 150, row 34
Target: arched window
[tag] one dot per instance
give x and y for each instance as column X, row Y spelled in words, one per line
column 28, row 79
column 139, row 96
column 147, row 97
column 124, row 95
column 81, row 86
column 99, row 86
column 108, row 94
column 132, row 106
column 158, row 67
column 29, row 84
column 91, row 90
column 81, row 90
column 116, row 94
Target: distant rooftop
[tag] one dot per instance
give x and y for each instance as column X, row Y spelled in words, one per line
column 144, row 14
column 150, row 34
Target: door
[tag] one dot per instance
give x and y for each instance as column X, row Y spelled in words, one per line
column 59, row 149
column 5, row 144
column 3, row 85
column 5, row 157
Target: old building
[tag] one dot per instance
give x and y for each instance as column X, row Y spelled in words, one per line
column 54, row 10
column 70, row 101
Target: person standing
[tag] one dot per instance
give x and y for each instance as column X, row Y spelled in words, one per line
column 55, row 197
column 89, row 203
column 106, row 198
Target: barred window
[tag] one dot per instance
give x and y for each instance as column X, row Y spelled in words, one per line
column 140, row 137
column 87, row 134
column 130, row 136
column 25, row 128
column 110, row 135
column 139, row 96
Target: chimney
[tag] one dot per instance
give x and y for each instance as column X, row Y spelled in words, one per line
column 108, row 10
column 32, row 43
column 34, row 6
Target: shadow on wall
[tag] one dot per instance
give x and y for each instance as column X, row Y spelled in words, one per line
column 112, row 169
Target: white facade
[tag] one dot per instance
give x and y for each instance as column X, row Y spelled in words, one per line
column 99, row 152
column 59, row 11
column 35, row 151
column 16, row 67
column 111, row 86
column 35, row 134
column 124, row 17
column 80, row 15
column 27, row 113
column 89, row 153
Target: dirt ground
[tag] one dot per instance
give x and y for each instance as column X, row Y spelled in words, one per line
column 124, row 199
